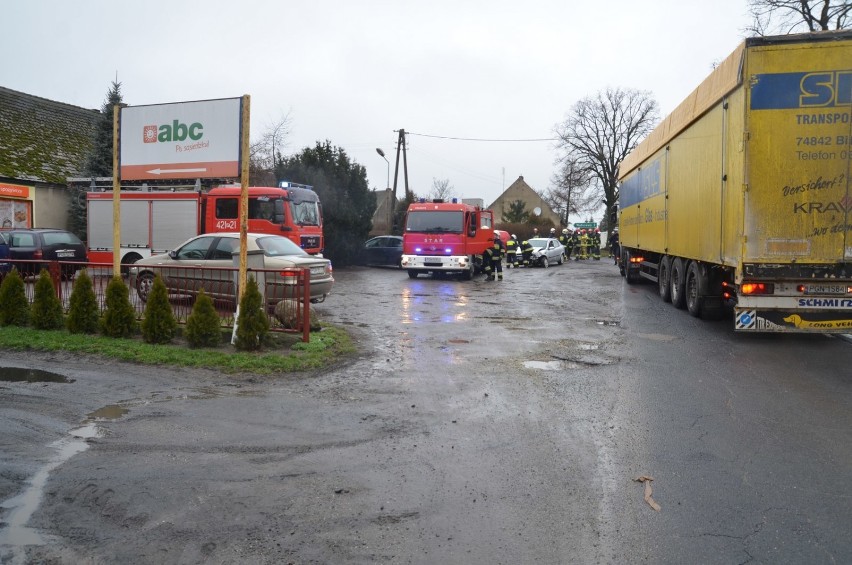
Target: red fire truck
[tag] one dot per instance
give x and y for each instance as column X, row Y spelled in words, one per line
column 158, row 221
column 446, row 237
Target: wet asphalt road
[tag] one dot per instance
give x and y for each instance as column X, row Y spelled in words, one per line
column 482, row 422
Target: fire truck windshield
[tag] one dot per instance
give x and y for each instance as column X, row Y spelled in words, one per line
column 305, row 213
column 430, row 221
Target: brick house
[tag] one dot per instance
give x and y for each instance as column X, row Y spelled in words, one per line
column 520, row 190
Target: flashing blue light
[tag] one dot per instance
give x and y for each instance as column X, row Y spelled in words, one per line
column 455, row 200
column 288, row 184
column 448, row 250
column 417, row 250
column 422, row 200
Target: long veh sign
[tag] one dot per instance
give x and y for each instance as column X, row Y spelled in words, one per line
column 181, row 140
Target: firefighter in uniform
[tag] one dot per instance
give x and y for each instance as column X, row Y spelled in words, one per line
column 595, row 242
column 565, row 240
column 511, row 252
column 492, row 260
column 526, row 253
column 575, row 243
column 584, row 244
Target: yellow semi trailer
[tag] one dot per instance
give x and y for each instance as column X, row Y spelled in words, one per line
column 743, row 195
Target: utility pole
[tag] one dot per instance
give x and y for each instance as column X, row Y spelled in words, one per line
column 400, row 147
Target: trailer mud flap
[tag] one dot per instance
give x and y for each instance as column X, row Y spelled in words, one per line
column 784, row 321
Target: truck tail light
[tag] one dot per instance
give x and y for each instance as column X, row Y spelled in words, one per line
column 636, row 258
column 757, row 288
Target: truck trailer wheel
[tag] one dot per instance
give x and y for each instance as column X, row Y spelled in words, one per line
column 696, row 284
column 664, row 271
column 630, row 274
column 678, row 283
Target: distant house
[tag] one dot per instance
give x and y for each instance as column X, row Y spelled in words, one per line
column 42, row 144
column 520, row 190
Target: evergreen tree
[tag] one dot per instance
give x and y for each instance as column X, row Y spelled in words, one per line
column 98, row 162
column 253, row 323
column 158, row 321
column 119, row 319
column 46, row 313
column 14, row 307
column 203, row 327
column 347, row 202
column 83, row 311
column 517, row 213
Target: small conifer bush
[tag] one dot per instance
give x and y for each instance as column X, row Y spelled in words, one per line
column 158, row 321
column 253, row 323
column 119, row 318
column 46, row 313
column 83, row 311
column 203, row 327
column 14, row 307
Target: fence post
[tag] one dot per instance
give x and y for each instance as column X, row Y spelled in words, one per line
column 55, row 272
column 306, row 309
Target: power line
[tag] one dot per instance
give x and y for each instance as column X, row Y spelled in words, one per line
column 480, row 139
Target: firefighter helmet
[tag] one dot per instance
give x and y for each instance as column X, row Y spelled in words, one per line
column 565, row 231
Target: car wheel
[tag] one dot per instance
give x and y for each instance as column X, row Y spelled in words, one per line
column 144, row 284
column 561, row 258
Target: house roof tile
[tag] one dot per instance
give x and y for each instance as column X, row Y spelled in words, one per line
column 42, row 140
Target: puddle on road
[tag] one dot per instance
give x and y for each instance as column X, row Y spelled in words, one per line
column 15, row 533
column 24, row 375
column 109, row 412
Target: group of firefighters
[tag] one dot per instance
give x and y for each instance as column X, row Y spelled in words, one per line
column 581, row 243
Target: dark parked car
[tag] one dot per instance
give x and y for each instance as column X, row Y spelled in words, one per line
column 384, row 250
column 45, row 244
column 5, row 266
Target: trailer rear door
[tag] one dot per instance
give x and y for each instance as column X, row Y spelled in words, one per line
column 798, row 199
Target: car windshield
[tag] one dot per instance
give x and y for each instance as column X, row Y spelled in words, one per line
column 276, row 246
column 538, row 242
column 435, row 221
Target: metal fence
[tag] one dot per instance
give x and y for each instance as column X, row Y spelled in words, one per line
column 287, row 304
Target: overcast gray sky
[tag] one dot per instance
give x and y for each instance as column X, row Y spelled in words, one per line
column 354, row 72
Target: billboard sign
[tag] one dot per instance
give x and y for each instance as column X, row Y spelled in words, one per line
column 181, row 140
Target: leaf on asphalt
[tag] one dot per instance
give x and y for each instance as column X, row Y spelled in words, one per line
column 648, row 491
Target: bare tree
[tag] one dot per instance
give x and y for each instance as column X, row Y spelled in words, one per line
column 600, row 131
column 793, row 16
column 574, row 191
column 266, row 149
column 442, row 189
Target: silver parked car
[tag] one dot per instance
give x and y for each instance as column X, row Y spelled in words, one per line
column 206, row 261
column 547, row 251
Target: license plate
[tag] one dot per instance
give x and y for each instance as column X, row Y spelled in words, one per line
column 317, row 270
column 826, row 289
column 64, row 253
